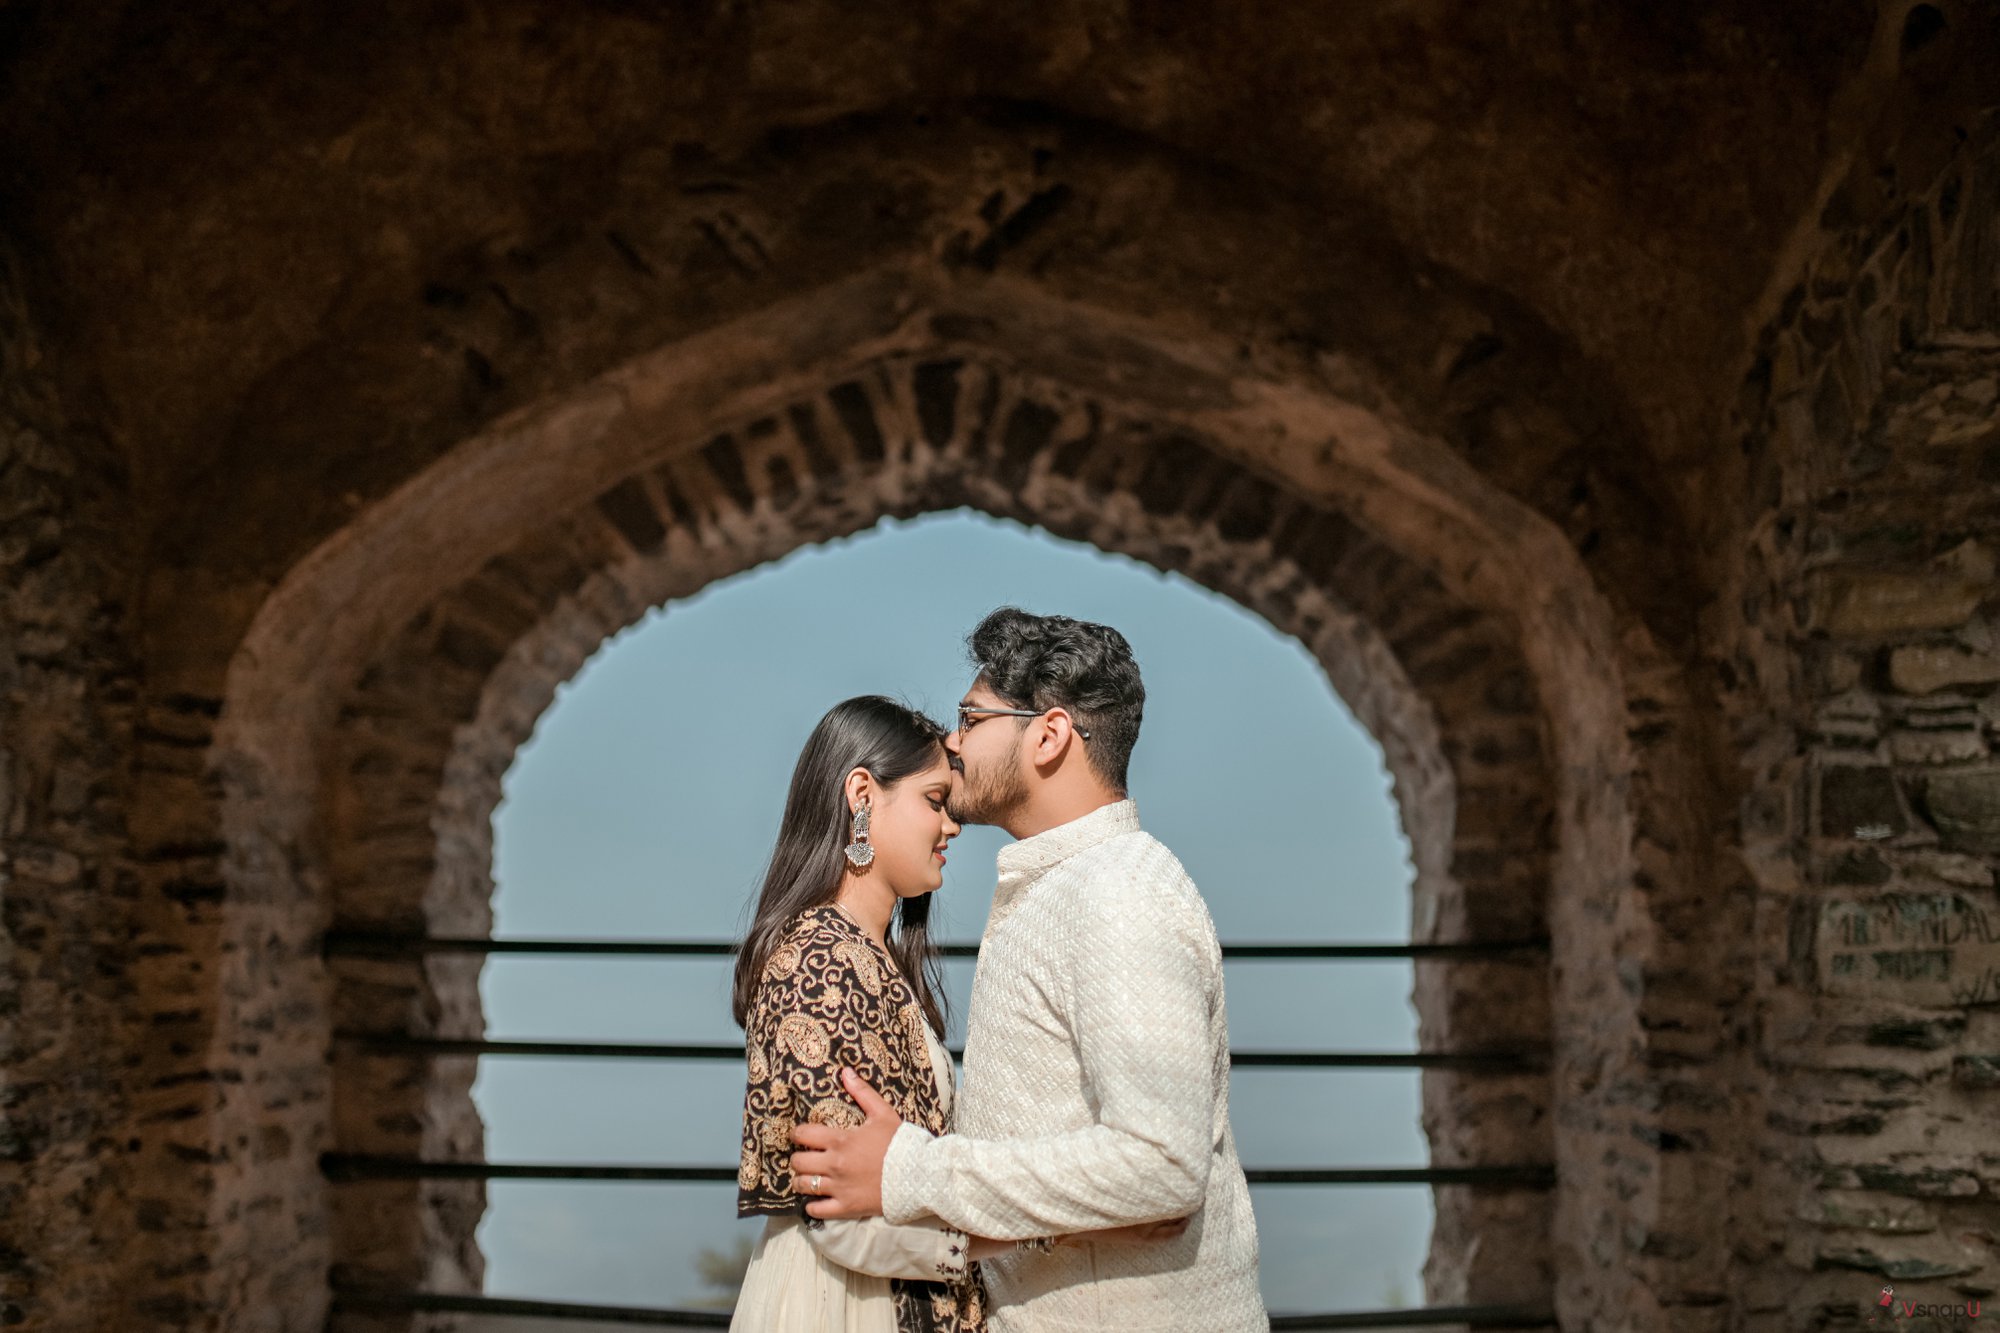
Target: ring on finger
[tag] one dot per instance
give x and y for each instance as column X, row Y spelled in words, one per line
column 815, row 1184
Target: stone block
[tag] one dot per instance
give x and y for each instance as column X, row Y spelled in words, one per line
column 1897, row 1268
column 1953, row 868
column 1924, row 668
column 51, row 865
column 1854, row 1210
column 1916, row 1034
column 1860, row 802
column 1976, row 1071
column 1851, row 705
column 1864, row 868
column 1928, row 1182
column 1964, row 807
column 1937, row 745
column 1875, row 602
column 1930, row 950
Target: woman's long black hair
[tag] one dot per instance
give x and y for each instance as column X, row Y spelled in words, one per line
column 893, row 743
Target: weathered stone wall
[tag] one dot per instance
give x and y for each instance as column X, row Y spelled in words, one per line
column 1415, row 328
column 66, row 694
column 1873, row 824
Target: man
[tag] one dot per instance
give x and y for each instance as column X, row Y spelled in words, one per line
column 1096, row 1087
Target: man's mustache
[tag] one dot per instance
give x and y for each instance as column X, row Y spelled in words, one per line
column 952, row 807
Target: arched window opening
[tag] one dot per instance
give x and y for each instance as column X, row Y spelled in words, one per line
column 646, row 801
column 1388, row 995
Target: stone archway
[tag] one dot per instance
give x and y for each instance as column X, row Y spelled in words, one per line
column 1386, row 555
column 424, row 739
column 375, row 303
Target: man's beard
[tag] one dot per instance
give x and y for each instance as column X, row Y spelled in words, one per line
column 990, row 797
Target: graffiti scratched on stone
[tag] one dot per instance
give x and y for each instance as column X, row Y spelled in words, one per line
column 1940, row 950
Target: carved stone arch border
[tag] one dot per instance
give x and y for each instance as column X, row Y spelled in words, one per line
column 1350, row 484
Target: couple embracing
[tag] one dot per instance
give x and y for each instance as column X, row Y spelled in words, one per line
column 1084, row 1176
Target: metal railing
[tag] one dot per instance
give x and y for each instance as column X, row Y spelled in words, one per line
column 342, row 1168
column 383, row 945
column 365, row 1300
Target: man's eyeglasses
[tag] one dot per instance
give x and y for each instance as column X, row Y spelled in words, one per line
column 968, row 714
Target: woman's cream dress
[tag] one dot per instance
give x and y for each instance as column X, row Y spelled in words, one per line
column 835, row 1278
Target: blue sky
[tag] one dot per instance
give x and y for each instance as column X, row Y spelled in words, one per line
column 646, row 802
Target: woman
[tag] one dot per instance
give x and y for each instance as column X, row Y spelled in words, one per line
column 822, row 982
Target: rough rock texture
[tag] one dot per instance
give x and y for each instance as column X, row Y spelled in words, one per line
column 68, row 1012
column 1604, row 394
column 1875, row 818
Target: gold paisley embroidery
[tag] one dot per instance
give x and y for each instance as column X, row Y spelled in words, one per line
column 877, row 1050
column 832, row 998
column 803, row 1038
column 914, row 1034
column 760, row 1068
column 747, row 1172
column 859, row 957
column 784, row 961
column 776, row 1134
column 833, row 1111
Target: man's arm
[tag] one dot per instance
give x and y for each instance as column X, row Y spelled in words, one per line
column 1139, row 1008
column 929, row 1251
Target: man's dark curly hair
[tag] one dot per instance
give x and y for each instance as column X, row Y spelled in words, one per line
column 1055, row 662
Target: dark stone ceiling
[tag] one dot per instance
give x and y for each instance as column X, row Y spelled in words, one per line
column 232, row 217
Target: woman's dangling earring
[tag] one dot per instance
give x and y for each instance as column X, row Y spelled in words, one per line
column 860, row 851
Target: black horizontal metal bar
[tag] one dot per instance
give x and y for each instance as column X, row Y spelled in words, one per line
column 1468, row 1061
column 355, row 944
column 359, row 1300
column 1514, row 1177
column 1483, row 1062
column 350, row 1167
column 1469, row 951
column 364, row 1300
column 343, row 1167
column 1477, row 1316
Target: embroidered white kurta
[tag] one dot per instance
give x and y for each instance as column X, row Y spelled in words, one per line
column 1094, row 1094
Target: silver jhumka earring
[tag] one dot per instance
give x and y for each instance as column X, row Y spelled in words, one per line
column 860, row 851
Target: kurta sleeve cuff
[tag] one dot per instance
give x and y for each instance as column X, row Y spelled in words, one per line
column 907, row 1176
column 930, row 1251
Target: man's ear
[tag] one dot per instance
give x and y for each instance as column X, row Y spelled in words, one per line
column 1056, row 729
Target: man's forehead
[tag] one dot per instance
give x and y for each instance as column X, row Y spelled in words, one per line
column 979, row 693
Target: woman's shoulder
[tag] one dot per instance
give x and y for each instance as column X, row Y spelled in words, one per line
column 824, row 943
column 816, row 928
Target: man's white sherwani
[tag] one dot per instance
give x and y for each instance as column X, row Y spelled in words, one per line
column 1095, row 1094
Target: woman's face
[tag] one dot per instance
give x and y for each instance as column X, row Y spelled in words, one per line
column 910, row 828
